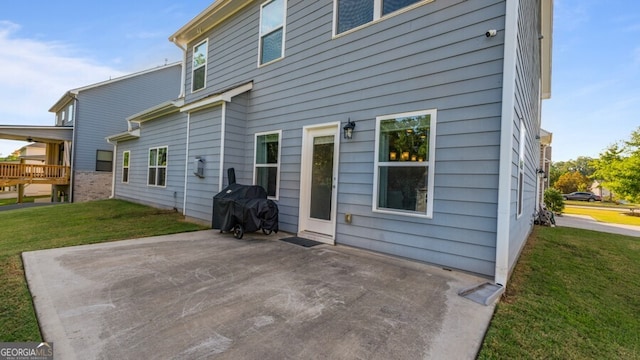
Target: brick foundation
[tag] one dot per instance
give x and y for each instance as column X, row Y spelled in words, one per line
column 91, row 185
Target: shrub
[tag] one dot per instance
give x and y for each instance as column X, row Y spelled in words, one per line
column 553, row 200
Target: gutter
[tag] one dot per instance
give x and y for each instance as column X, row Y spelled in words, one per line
column 501, row 274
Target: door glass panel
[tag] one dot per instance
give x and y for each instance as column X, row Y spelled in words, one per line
column 322, row 177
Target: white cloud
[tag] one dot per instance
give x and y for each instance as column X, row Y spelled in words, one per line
column 35, row 74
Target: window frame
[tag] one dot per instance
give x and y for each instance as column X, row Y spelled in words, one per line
column 277, row 165
column 98, row 151
column 126, row 166
column 261, row 35
column 377, row 15
column 205, row 65
column 156, row 166
column 429, row 163
column 521, row 166
column 71, row 113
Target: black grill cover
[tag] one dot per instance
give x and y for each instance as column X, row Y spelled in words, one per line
column 246, row 205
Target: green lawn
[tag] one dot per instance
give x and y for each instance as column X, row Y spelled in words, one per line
column 604, row 204
column 602, row 215
column 574, row 294
column 65, row 225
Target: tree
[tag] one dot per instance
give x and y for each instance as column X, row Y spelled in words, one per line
column 619, row 168
column 583, row 165
column 572, row 181
column 13, row 157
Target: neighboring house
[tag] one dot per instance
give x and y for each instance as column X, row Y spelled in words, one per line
column 32, row 154
column 445, row 97
column 84, row 117
column 544, row 167
column 603, row 192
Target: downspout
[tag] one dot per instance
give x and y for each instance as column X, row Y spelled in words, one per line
column 113, row 169
column 181, row 95
column 506, row 143
column 223, row 125
column 183, row 75
column 74, row 137
column 186, row 165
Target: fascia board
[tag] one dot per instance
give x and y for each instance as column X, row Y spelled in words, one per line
column 546, row 47
column 218, row 99
column 206, row 20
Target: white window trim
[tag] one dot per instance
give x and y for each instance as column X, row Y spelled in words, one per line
column 127, row 167
column 157, row 166
column 521, row 166
column 255, row 165
column 377, row 16
column 429, row 163
column 205, row 65
column 261, row 35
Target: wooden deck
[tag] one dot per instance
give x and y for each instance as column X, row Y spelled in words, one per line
column 16, row 174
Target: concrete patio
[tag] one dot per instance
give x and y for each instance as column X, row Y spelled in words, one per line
column 208, row 295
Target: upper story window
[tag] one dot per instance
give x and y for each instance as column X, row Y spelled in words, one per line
column 272, row 24
column 70, row 113
column 199, row 72
column 404, row 171
column 354, row 13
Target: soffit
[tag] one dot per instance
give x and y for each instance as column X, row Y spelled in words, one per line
column 206, row 20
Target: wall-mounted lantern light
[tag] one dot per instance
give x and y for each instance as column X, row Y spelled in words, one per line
column 348, row 129
column 542, row 173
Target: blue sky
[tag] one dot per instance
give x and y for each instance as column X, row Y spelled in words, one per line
column 47, row 48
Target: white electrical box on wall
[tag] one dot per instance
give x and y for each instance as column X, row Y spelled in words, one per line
column 198, row 167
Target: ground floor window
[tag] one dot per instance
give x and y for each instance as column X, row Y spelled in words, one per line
column 521, row 159
column 125, row 166
column 267, row 162
column 158, row 166
column 104, row 160
column 405, row 153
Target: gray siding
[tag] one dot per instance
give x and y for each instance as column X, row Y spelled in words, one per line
column 170, row 131
column 237, row 143
column 433, row 57
column 102, row 110
column 527, row 100
column 204, row 142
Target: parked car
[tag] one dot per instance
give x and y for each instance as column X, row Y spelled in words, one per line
column 582, row 196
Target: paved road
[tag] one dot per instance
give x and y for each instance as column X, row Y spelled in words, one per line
column 26, row 205
column 588, row 223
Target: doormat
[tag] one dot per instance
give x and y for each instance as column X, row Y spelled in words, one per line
column 301, row 241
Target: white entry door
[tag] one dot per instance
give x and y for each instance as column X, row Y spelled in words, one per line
column 319, row 179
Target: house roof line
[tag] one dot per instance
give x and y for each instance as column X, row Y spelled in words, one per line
column 36, row 133
column 123, row 136
column 217, row 12
column 157, row 111
column 213, row 100
column 71, row 94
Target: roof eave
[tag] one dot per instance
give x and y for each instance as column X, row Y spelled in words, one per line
column 217, row 12
column 546, row 47
column 124, row 136
column 157, row 111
